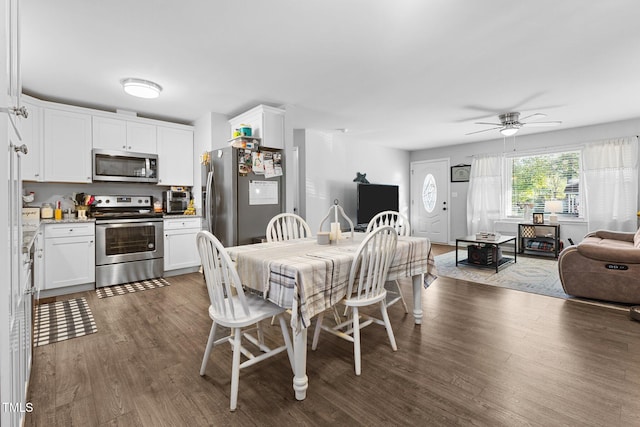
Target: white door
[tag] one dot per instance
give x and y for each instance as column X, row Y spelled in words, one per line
column 430, row 200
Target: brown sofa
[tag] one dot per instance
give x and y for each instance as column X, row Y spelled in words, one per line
column 604, row 266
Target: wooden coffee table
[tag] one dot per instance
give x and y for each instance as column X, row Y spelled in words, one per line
column 494, row 246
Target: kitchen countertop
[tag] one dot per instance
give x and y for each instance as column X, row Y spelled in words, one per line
column 66, row 221
column 29, row 234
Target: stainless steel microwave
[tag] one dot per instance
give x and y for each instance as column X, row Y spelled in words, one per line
column 124, row 166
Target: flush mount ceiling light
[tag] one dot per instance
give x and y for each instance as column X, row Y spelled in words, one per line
column 141, row 88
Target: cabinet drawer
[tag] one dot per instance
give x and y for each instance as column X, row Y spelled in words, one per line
column 177, row 224
column 68, row 229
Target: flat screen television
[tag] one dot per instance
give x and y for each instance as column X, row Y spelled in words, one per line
column 375, row 198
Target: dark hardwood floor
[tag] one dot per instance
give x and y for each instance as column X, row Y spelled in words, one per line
column 484, row 356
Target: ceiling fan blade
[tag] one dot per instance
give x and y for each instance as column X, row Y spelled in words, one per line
column 486, row 123
column 534, row 116
column 484, row 130
column 542, row 124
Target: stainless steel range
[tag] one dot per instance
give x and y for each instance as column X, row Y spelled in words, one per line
column 129, row 240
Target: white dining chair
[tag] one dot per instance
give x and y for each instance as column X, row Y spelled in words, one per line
column 231, row 308
column 401, row 224
column 287, row 226
column 365, row 287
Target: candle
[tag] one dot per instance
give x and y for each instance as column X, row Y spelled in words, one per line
column 335, row 231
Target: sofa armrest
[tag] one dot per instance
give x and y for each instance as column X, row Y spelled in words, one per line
column 614, row 235
column 609, row 254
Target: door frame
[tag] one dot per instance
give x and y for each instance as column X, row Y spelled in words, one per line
column 412, row 166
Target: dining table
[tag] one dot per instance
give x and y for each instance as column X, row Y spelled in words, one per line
column 308, row 278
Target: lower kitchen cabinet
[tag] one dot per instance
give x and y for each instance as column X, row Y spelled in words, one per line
column 69, row 255
column 180, row 249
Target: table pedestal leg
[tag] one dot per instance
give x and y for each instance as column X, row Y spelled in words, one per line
column 300, row 379
column 417, row 298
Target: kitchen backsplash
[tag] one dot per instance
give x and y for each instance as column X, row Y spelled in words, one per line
column 52, row 192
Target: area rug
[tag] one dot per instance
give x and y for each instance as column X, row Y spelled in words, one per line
column 125, row 288
column 62, row 320
column 530, row 274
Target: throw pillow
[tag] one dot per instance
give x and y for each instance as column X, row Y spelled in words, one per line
column 636, row 239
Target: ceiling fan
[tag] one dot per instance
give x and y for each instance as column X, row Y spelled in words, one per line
column 510, row 123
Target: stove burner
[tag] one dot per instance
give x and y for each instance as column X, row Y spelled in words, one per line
column 124, row 207
column 126, row 215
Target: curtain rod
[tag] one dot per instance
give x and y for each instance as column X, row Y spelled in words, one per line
column 546, row 149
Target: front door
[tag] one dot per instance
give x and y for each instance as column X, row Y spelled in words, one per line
column 430, row 200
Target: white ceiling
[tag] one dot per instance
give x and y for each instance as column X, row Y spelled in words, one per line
column 409, row 74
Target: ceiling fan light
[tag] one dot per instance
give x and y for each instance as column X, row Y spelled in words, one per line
column 141, row 88
column 509, row 130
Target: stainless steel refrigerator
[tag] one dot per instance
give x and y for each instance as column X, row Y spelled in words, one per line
column 241, row 192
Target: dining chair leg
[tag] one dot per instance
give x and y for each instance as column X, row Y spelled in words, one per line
column 235, row 369
column 316, row 333
column 260, row 334
column 356, row 338
column 207, row 350
column 404, row 304
column 387, row 325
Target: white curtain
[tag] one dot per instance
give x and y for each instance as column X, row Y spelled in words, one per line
column 610, row 177
column 485, row 195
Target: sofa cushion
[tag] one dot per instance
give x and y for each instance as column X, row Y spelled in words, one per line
column 636, row 239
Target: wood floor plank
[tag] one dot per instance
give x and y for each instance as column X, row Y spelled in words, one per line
column 484, row 356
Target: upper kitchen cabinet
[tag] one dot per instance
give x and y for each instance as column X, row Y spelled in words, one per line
column 67, row 141
column 31, row 130
column 266, row 123
column 118, row 134
column 175, row 156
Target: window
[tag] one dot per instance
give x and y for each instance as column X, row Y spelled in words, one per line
column 534, row 179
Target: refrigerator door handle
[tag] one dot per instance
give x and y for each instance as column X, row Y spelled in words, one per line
column 209, row 211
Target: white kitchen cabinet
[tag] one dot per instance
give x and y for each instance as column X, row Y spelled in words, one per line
column 70, row 257
column 266, row 123
column 175, row 156
column 67, row 144
column 180, row 250
column 31, row 130
column 120, row 134
column 142, row 138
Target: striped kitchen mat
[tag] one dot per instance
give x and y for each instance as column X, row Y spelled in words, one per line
column 125, row 288
column 62, row 320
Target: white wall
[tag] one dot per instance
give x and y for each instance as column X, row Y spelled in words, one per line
column 210, row 131
column 329, row 162
column 548, row 140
